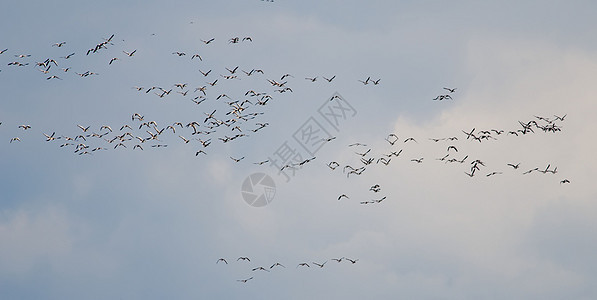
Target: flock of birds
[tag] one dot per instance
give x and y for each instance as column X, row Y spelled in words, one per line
column 234, row 116
column 277, row 265
column 445, row 96
column 472, row 167
column 230, row 116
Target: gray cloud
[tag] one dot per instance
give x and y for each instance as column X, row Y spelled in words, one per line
column 152, row 223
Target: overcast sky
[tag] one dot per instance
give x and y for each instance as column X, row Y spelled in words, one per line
column 92, row 219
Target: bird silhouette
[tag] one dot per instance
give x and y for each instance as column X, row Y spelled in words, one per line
column 343, row 196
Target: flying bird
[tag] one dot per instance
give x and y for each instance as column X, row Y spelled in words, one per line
column 277, row 264
column 356, row 144
column 366, row 81
column 130, row 53
column 452, row 147
column 204, row 74
column 364, row 153
column 392, row 138
column 233, row 70
column 330, row 79
column 50, row 137
column 515, row 166
column 352, row 261
column 68, row 56
column 375, row 188
column 333, row 165
column 469, row 134
column 208, row 41
column 237, row 159
column 186, row 141
column 379, row 200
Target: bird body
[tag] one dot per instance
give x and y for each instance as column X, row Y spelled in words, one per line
column 343, row 196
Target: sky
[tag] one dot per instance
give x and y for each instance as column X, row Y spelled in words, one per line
column 470, row 205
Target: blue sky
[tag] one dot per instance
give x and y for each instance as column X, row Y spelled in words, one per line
column 127, row 223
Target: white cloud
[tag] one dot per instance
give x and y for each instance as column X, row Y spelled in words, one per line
column 162, row 217
column 30, row 238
